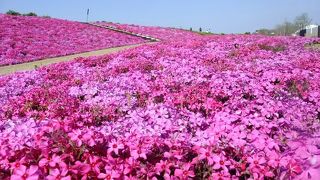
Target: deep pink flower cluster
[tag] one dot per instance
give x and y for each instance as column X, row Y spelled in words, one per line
column 164, row 34
column 24, row 39
column 218, row 107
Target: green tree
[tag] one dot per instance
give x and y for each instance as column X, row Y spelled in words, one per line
column 30, row 14
column 265, row 31
column 286, row 28
column 12, row 12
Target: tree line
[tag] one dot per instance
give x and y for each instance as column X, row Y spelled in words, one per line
column 288, row 28
column 16, row 13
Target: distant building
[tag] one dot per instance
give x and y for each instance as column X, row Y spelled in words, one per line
column 309, row 31
column 313, row 31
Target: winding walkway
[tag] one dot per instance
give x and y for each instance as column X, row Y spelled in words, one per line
column 44, row 62
column 5, row 70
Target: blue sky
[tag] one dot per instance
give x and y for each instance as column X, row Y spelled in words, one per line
column 228, row 16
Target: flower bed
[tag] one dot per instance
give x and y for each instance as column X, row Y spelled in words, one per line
column 242, row 107
column 24, row 39
column 167, row 34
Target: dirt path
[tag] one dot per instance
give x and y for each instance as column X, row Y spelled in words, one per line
column 35, row 64
column 44, row 62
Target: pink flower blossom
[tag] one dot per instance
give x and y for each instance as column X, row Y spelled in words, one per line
column 294, row 168
column 52, row 161
column 109, row 174
column 81, row 168
column 88, row 138
column 140, row 153
column 206, row 154
column 310, row 174
column 220, row 175
column 95, row 163
column 131, row 165
column 24, row 173
column 76, row 135
column 184, row 172
column 115, row 146
column 163, row 166
column 16, row 165
column 220, row 162
column 256, row 161
column 56, row 174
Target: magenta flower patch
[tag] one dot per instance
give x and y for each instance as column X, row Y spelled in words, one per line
column 25, row 39
column 196, row 107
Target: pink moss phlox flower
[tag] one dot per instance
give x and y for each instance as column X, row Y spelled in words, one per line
column 23, row 173
column 95, row 163
column 221, row 162
column 163, row 166
column 57, row 174
column 207, row 155
column 109, row 174
column 80, row 168
column 115, row 146
column 184, row 172
column 294, row 168
column 139, row 153
column 52, row 161
column 76, row 136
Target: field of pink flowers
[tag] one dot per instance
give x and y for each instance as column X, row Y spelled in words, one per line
column 24, row 39
column 212, row 107
column 164, row 34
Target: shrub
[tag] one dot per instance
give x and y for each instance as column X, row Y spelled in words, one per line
column 277, row 48
column 30, row 14
column 14, row 13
